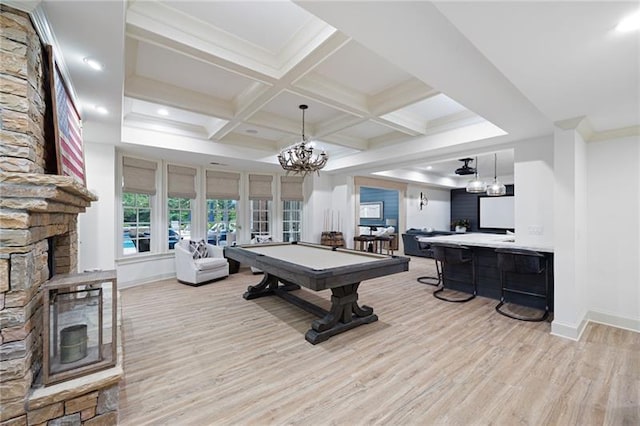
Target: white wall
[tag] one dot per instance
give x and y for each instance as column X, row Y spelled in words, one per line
column 534, row 183
column 318, row 194
column 436, row 214
column 570, row 259
column 613, row 224
column 96, row 227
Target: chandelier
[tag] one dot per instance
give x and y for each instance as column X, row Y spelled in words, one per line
column 300, row 158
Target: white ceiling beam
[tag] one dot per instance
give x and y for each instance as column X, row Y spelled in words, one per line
column 160, row 40
column 399, row 96
column 404, row 123
column 165, row 94
column 169, row 23
column 337, row 124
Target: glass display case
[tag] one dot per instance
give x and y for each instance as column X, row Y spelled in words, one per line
column 80, row 325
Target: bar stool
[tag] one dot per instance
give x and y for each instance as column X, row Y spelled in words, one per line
column 454, row 255
column 384, row 242
column 525, row 262
column 425, row 248
column 365, row 243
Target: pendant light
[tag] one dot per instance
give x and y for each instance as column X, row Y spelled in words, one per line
column 476, row 186
column 496, row 189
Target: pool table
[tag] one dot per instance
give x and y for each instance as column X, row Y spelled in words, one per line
column 287, row 266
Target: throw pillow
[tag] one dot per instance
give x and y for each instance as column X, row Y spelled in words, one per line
column 200, row 250
column 263, row 239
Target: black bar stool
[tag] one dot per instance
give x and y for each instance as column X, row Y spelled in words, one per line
column 425, row 248
column 365, row 243
column 454, row 254
column 525, row 262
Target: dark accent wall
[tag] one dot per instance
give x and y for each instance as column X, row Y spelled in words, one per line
column 389, row 198
column 465, row 206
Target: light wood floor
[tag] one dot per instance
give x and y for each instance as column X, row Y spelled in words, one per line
column 204, row 355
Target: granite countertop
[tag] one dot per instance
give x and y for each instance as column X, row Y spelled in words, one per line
column 477, row 239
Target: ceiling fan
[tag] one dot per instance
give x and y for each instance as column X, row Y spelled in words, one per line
column 466, row 170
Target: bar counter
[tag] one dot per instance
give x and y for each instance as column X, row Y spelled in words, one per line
column 486, row 266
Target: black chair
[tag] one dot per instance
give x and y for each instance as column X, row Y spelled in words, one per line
column 525, row 262
column 426, row 251
column 455, row 256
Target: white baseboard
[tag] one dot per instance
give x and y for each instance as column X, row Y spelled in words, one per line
column 574, row 332
column 569, row 331
column 145, row 280
column 614, row 321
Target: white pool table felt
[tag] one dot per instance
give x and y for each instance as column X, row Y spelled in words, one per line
column 314, row 257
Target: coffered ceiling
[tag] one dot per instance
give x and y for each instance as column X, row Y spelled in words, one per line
column 397, row 89
column 235, row 73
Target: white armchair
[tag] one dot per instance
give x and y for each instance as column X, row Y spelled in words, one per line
column 199, row 271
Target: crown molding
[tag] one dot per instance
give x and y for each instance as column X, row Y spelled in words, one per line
column 631, row 131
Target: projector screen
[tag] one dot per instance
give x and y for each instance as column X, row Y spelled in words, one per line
column 497, row 212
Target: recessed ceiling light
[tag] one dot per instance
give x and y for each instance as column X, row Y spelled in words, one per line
column 163, row 111
column 93, row 64
column 429, row 167
column 101, row 110
column 630, row 23
column 252, row 131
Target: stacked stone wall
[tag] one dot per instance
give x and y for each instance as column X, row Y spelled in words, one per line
column 22, row 94
column 22, row 269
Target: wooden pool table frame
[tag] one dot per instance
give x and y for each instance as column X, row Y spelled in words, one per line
column 281, row 277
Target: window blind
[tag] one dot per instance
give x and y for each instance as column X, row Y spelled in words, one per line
column 291, row 188
column 223, row 185
column 260, row 187
column 181, row 182
column 139, row 176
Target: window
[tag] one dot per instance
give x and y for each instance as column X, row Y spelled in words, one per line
column 291, row 220
column 179, row 220
column 136, row 223
column 221, row 221
column 260, row 212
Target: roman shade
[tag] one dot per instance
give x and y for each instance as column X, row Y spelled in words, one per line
column 260, row 187
column 181, row 182
column 223, row 185
column 139, row 176
column 291, row 188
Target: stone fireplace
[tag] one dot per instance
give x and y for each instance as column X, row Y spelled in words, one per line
column 38, row 232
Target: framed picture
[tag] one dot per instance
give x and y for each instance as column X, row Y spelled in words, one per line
column 371, row 210
column 67, row 125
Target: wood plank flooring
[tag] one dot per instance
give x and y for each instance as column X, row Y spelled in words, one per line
column 205, row 356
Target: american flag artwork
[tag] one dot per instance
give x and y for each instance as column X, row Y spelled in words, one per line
column 69, row 133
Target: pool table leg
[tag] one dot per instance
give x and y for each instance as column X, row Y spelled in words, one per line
column 267, row 287
column 344, row 315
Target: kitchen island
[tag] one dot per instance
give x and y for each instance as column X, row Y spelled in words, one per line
column 486, row 267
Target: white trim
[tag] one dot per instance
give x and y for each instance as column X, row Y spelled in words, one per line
column 568, row 331
column 142, row 258
column 630, row 324
column 573, row 332
column 147, row 280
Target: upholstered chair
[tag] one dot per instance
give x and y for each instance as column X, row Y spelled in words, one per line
column 197, row 268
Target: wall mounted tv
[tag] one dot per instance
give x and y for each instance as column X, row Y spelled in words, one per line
column 496, row 212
